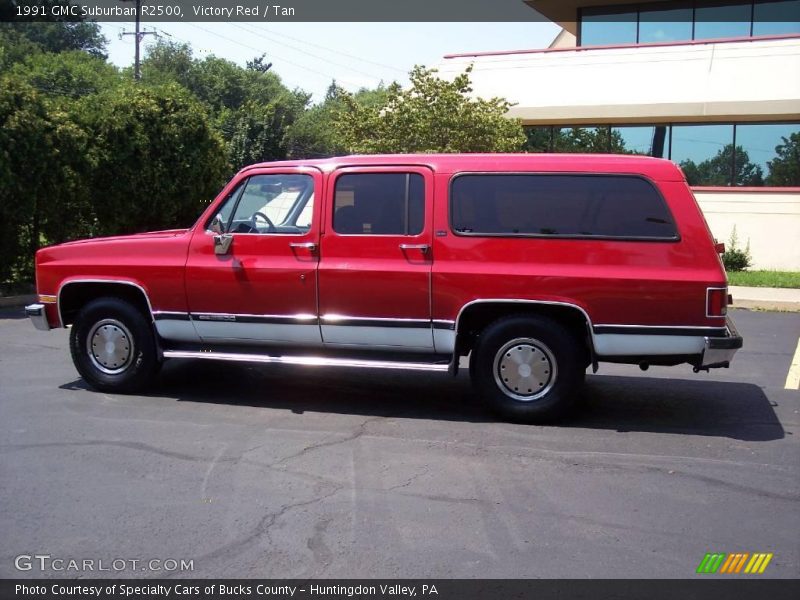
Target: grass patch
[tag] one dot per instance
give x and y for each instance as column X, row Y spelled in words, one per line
column 777, row 279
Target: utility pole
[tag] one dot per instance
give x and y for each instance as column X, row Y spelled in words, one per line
column 137, row 72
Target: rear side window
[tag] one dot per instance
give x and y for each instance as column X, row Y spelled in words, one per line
column 379, row 204
column 613, row 206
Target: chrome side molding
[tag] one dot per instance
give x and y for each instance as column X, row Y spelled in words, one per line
column 309, row 361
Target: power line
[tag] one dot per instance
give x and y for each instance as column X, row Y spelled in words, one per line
column 372, row 62
column 261, row 50
column 318, row 57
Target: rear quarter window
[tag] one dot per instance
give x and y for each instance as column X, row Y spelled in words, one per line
column 626, row 207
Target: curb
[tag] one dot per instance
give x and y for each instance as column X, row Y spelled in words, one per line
column 17, row 301
column 773, row 305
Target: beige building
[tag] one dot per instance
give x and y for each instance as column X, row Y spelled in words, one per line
column 713, row 86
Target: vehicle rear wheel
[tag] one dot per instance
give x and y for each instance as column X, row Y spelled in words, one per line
column 113, row 346
column 529, row 368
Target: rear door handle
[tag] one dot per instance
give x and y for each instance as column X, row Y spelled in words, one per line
column 306, row 245
column 420, row 247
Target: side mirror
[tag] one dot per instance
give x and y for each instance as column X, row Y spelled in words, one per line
column 217, row 225
column 222, row 243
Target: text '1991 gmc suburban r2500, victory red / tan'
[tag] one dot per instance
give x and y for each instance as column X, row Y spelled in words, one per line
column 536, row 266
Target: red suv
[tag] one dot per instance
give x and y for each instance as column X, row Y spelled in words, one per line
column 534, row 266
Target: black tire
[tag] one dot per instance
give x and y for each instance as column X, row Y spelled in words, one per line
column 545, row 364
column 127, row 366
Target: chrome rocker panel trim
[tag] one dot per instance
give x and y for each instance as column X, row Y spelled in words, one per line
column 309, row 361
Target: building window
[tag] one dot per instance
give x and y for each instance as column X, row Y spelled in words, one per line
column 771, row 150
column 608, row 26
column 650, row 140
column 775, row 17
column 684, row 20
column 539, row 139
column 591, row 140
column 742, row 154
column 722, row 20
column 659, row 25
column 704, row 152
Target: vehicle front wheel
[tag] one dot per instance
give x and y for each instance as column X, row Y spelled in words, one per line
column 113, row 346
column 529, row 368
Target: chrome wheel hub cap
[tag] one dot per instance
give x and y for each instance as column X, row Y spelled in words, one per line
column 525, row 369
column 110, row 346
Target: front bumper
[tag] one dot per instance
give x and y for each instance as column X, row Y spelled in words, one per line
column 719, row 351
column 38, row 316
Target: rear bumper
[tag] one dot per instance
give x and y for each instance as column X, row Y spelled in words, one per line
column 719, row 351
column 36, row 313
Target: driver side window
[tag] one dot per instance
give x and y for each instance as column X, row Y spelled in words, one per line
column 276, row 204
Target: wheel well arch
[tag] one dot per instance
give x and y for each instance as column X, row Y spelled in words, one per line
column 74, row 295
column 478, row 314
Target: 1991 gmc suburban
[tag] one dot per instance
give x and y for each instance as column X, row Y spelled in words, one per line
column 536, row 266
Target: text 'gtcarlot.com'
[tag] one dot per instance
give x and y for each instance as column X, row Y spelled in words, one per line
column 47, row 562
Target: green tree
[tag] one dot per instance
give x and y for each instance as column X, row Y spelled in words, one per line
column 432, row 115
column 156, row 159
column 314, row 134
column 21, row 38
column 43, row 166
column 250, row 107
column 70, row 74
column 784, row 169
column 717, row 170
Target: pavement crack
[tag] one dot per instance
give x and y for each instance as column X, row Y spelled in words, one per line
column 119, row 444
column 354, row 435
column 409, row 481
column 265, row 524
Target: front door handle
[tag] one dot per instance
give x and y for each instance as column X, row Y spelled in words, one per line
column 305, row 245
column 420, row 247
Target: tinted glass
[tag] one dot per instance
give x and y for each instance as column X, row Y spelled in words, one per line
column 379, row 204
column 721, row 20
column 590, row 140
column 559, row 205
column 538, row 138
column 672, row 25
column 646, row 140
column 768, row 154
column 607, row 28
column 704, row 152
column 774, row 18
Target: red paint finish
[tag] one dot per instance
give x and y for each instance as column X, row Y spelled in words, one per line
column 371, row 275
column 153, row 261
column 262, row 274
column 366, row 276
column 746, row 189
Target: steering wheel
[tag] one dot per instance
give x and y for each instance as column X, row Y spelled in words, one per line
column 270, row 224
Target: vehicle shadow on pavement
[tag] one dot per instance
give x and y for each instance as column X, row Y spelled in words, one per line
column 734, row 410
column 713, row 408
column 13, row 314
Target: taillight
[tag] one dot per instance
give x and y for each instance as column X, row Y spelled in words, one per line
column 716, row 302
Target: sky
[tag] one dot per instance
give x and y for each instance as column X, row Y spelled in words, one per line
column 310, row 55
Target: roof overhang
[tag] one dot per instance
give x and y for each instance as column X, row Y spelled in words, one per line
column 565, row 12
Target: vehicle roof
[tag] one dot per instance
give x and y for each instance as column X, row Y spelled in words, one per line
column 655, row 168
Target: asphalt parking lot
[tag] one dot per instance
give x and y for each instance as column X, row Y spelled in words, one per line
column 267, row 471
